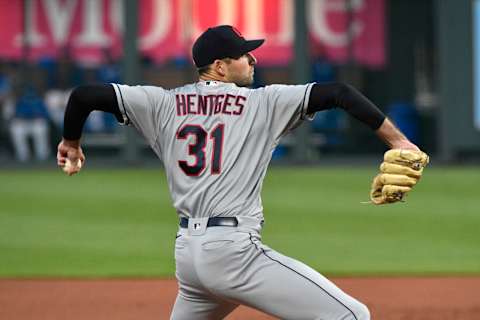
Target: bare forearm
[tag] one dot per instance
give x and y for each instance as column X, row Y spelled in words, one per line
column 393, row 137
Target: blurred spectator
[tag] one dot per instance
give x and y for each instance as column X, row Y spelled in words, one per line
column 330, row 123
column 97, row 122
column 62, row 70
column 65, row 75
column 56, row 100
column 62, row 75
column 7, row 79
column 109, row 70
column 322, row 70
column 5, row 87
column 5, row 82
column 30, row 120
column 406, row 118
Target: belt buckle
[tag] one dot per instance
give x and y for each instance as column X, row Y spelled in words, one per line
column 229, row 222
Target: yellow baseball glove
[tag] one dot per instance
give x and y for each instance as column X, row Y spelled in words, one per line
column 399, row 172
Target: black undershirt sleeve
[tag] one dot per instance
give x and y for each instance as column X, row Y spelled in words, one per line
column 82, row 101
column 334, row 95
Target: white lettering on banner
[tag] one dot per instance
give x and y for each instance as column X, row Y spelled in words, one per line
column 93, row 32
column 227, row 12
column 162, row 15
column 184, row 21
column 285, row 25
column 162, row 20
column 116, row 16
column 59, row 18
column 194, row 29
column 254, row 18
column 318, row 12
column 33, row 37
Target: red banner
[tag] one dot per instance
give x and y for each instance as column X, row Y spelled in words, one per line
column 168, row 27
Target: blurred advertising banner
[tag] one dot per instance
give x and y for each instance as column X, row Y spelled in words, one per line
column 168, row 28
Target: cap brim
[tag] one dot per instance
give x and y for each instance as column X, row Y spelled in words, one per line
column 251, row 45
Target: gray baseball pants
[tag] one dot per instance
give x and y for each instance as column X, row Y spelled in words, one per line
column 219, row 268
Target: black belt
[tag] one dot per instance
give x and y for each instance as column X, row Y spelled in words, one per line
column 214, row 222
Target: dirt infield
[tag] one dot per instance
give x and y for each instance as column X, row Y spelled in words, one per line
column 388, row 299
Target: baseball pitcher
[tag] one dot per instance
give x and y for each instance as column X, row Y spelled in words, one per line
column 215, row 138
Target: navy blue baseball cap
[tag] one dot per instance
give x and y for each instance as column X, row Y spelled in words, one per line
column 221, row 42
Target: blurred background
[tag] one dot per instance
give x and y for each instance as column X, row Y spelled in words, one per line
column 417, row 60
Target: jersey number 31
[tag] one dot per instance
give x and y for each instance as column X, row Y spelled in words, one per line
column 197, row 148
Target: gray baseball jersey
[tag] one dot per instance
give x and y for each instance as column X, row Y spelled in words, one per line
column 216, row 140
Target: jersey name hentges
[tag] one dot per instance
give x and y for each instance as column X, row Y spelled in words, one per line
column 212, row 104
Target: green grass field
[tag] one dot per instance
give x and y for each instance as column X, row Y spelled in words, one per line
column 120, row 223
